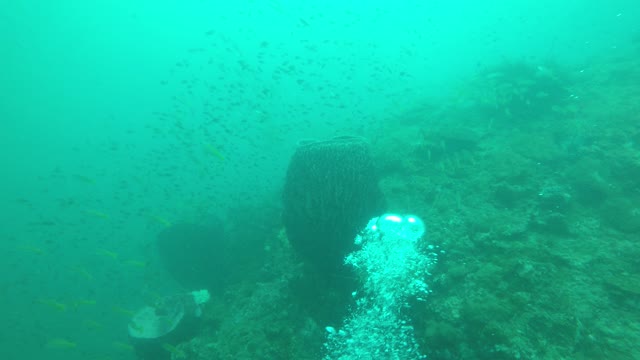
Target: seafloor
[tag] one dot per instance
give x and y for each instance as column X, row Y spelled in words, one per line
column 529, row 179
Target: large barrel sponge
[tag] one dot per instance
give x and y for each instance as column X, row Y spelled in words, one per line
column 331, row 191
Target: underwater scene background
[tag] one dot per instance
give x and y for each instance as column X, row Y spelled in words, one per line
column 150, row 149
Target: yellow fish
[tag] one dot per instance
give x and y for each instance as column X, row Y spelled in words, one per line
column 82, row 272
column 60, row 343
column 215, row 152
column 123, row 311
column 84, row 179
column 80, row 302
column 107, row 253
column 98, row 214
column 136, row 263
column 53, row 304
column 33, row 249
column 92, row 325
column 122, row 346
column 160, row 220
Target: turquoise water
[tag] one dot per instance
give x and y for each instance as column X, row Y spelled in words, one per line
column 511, row 129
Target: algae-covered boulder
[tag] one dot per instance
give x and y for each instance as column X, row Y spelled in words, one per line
column 170, row 320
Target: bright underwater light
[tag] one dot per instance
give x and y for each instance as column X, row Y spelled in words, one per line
column 393, row 270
